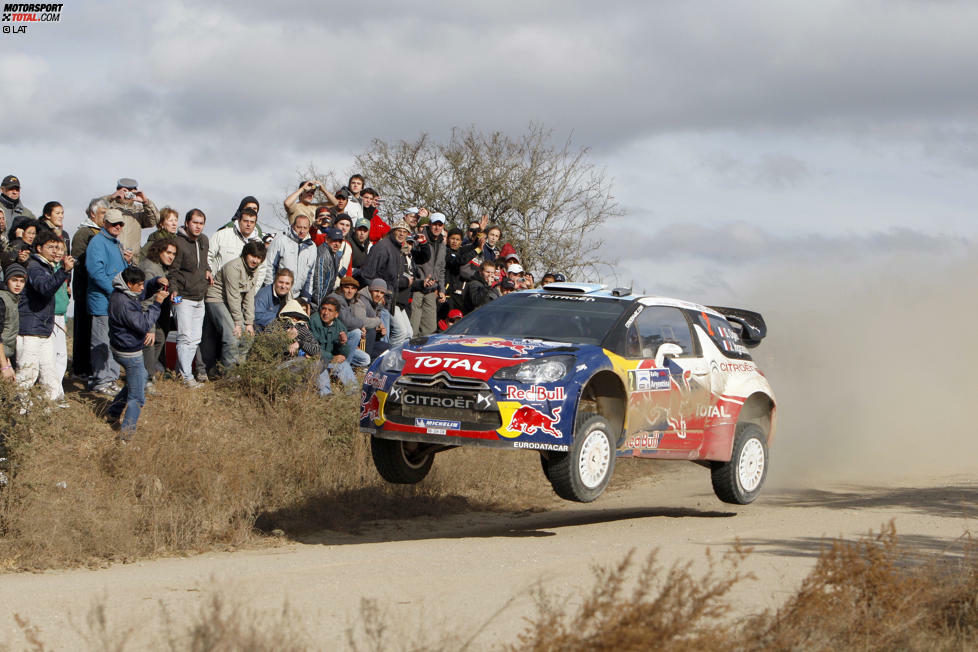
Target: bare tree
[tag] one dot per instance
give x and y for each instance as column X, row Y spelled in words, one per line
column 549, row 201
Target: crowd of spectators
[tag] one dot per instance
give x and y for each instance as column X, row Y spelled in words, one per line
column 340, row 281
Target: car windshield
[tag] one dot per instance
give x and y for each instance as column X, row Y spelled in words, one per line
column 563, row 318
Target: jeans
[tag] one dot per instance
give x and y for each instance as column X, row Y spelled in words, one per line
column 400, row 327
column 132, row 397
column 385, row 318
column 190, row 324
column 151, row 354
column 104, row 368
column 35, row 361
column 357, row 358
column 60, row 336
column 219, row 327
column 343, row 372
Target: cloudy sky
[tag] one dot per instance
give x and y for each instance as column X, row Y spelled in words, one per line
column 738, row 134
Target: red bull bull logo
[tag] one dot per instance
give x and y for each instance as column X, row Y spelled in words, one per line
column 370, row 409
column 493, row 342
column 528, row 420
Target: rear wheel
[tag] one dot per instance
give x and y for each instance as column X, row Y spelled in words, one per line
column 582, row 473
column 401, row 462
column 739, row 481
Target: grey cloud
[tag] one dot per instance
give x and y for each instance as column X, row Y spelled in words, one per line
column 740, row 243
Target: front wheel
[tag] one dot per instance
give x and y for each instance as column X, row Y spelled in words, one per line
column 582, row 473
column 401, row 462
column 739, row 481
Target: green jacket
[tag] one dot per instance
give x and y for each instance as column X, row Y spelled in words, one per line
column 328, row 337
column 10, row 322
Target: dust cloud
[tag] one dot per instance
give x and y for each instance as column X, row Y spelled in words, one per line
column 873, row 365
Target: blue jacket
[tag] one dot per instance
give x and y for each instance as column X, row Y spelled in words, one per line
column 103, row 260
column 128, row 320
column 36, row 304
column 323, row 274
column 267, row 306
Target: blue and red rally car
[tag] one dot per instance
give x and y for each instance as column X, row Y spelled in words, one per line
column 583, row 375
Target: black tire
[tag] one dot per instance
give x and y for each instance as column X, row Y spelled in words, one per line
column 739, row 481
column 401, row 462
column 594, row 449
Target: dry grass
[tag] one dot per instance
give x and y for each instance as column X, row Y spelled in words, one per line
column 872, row 594
column 217, row 468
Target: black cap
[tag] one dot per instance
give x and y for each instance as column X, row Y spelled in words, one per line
column 343, row 192
column 10, row 181
column 507, row 284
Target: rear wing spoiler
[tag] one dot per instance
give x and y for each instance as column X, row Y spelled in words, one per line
column 750, row 324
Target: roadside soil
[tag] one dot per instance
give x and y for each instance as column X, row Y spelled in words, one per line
column 471, row 574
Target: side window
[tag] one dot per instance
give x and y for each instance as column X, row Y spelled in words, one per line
column 725, row 336
column 658, row 325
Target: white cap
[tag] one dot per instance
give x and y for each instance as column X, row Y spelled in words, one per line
column 437, row 217
column 412, row 210
column 514, row 269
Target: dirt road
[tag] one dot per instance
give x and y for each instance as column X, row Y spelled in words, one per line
column 449, row 576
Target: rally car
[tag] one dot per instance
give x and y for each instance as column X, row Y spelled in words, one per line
column 582, row 374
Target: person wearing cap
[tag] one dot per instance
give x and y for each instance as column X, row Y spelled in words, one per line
column 342, row 203
column 190, row 278
column 293, row 249
column 424, row 304
column 359, row 241
column 14, row 280
column 394, row 259
column 137, row 210
column 301, row 201
column 36, row 342
column 481, row 290
column 360, row 327
column 453, row 316
column 514, row 272
column 104, row 258
column 506, row 286
column 229, row 309
column 374, row 296
column 344, row 223
column 13, row 207
column 81, row 342
column 325, row 274
column 226, row 245
column 330, row 334
column 547, row 279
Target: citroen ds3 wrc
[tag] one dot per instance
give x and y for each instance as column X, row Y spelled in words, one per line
column 582, row 375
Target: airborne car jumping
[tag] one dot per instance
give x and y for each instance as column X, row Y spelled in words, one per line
column 583, row 375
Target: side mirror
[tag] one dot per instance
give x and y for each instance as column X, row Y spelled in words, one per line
column 666, row 350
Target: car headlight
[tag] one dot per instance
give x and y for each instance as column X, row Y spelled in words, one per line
column 542, row 370
column 392, row 360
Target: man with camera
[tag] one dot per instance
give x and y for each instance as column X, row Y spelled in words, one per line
column 138, row 213
column 301, row 201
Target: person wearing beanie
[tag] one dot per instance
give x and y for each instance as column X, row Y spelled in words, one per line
column 374, row 296
column 247, row 202
column 14, row 280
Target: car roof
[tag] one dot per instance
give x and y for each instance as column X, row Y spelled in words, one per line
column 601, row 290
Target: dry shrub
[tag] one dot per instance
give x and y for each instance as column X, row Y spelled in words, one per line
column 875, row 594
column 677, row 610
column 205, row 466
column 872, row 594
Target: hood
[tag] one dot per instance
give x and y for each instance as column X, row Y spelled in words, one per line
column 119, row 284
column 295, row 238
column 476, row 356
